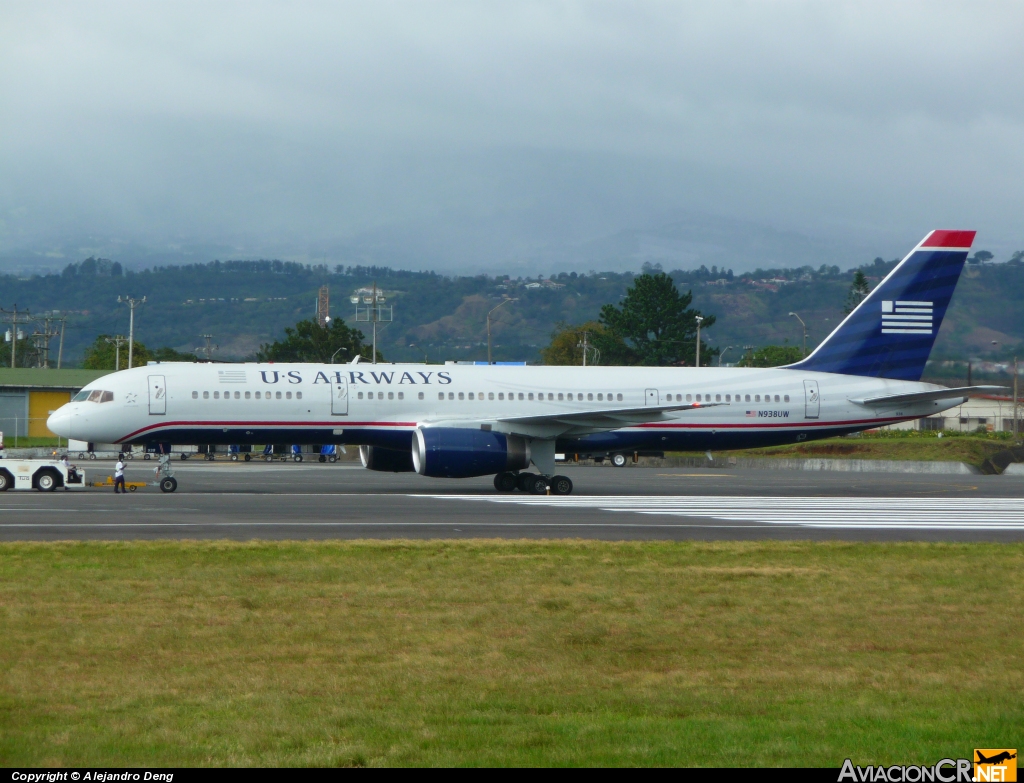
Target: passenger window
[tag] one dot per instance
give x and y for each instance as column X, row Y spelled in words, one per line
column 786, row 398
column 728, row 398
column 718, row 398
column 689, row 398
column 421, row 395
column 451, row 395
column 757, row 398
column 530, row 395
column 238, row 395
column 359, row 396
column 195, row 395
column 747, row 399
column 698, row 398
column 288, row 395
column 298, row 395
column 618, row 397
column 401, row 395
column 600, row 396
column 440, row 395
column 257, row 395
column 560, row 396
column 391, row 395
column 590, row 397
column 470, row 396
column 206, row 395
column 776, row 398
column 216, row 395
column 551, row 395
column 479, row 395
column 520, row 395
column 380, row 395
column 277, row 395
column 248, row 395
column 462, row 396
column 501, row 395
column 490, row 395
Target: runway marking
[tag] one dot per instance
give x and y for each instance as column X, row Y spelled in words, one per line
column 817, row 512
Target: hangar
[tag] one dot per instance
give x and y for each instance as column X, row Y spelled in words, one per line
column 28, row 396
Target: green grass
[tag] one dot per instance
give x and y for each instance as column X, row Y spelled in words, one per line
column 497, row 653
column 973, row 449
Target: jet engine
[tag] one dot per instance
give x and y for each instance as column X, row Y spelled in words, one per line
column 388, row 460
column 449, row 452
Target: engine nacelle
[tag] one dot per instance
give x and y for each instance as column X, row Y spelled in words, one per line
column 389, row 460
column 449, row 452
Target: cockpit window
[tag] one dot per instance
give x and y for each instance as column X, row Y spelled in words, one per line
column 94, row 395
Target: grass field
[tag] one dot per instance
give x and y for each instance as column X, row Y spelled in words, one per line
column 484, row 653
column 972, row 449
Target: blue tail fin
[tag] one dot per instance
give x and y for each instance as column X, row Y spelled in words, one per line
column 892, row 331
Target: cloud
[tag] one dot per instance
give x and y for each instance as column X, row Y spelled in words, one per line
column 289, row 126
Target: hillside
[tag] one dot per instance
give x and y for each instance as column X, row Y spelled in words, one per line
column 245, row 303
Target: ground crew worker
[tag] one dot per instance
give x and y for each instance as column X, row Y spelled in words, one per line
column 119, row 477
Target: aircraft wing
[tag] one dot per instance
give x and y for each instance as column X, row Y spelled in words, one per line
column 610, row 418
column 928, row 396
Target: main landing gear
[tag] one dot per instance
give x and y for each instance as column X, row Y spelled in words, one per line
column 533, row 483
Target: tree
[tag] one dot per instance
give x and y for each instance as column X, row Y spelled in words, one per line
column 771, row 356
column 102, row 353
column 656, row 324
column 310, row 342
column 980, row 257
column 1017, row 258
column 566, row 345
column 859, row 288
column 170, row 355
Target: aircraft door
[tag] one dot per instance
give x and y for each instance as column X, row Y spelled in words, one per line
column 157, row 395
column 812, row 402
column 339, row 396
column 652, row 397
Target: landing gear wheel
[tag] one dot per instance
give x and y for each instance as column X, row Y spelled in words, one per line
column 169, row 484
column 322, row 458
column 46, row 482
column 248, row 457
column 561, row 485
column 523, row 481
column 505, row 482
column 538, row 485
column 619, row 460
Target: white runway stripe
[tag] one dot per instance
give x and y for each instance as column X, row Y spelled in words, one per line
column 819, row 512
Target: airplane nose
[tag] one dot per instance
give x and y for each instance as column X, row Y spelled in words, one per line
column 59, row 422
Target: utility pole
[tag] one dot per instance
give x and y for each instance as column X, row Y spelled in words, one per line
column 503, row 303
column 13, row 321
column 801, row 320
column 323, row 306
column 60, row 349
column 117, row 340
column 1016, row 425
column 132, row 304
column 584, row 346
column 373, row 311
column 209, row 349
column 699, row 319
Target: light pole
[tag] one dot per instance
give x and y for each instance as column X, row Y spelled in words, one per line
column 503, row 303
column 801, row 320
column 697, row 361
column 1016, row 426
column 132, row 304
column 722, row 354
column 343, row 348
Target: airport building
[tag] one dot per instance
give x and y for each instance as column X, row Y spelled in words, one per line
column 991, row 413
column 29, row 395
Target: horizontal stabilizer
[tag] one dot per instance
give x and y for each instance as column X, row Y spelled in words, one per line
column 938, row 394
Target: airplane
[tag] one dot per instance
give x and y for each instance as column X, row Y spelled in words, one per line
column 996, row 759
column 460, row 421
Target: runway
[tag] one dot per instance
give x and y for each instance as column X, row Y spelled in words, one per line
column 314, row 501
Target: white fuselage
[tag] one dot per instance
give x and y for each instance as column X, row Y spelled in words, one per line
column 188, row 403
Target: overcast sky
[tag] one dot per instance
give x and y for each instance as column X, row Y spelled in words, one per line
column 484, row 133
